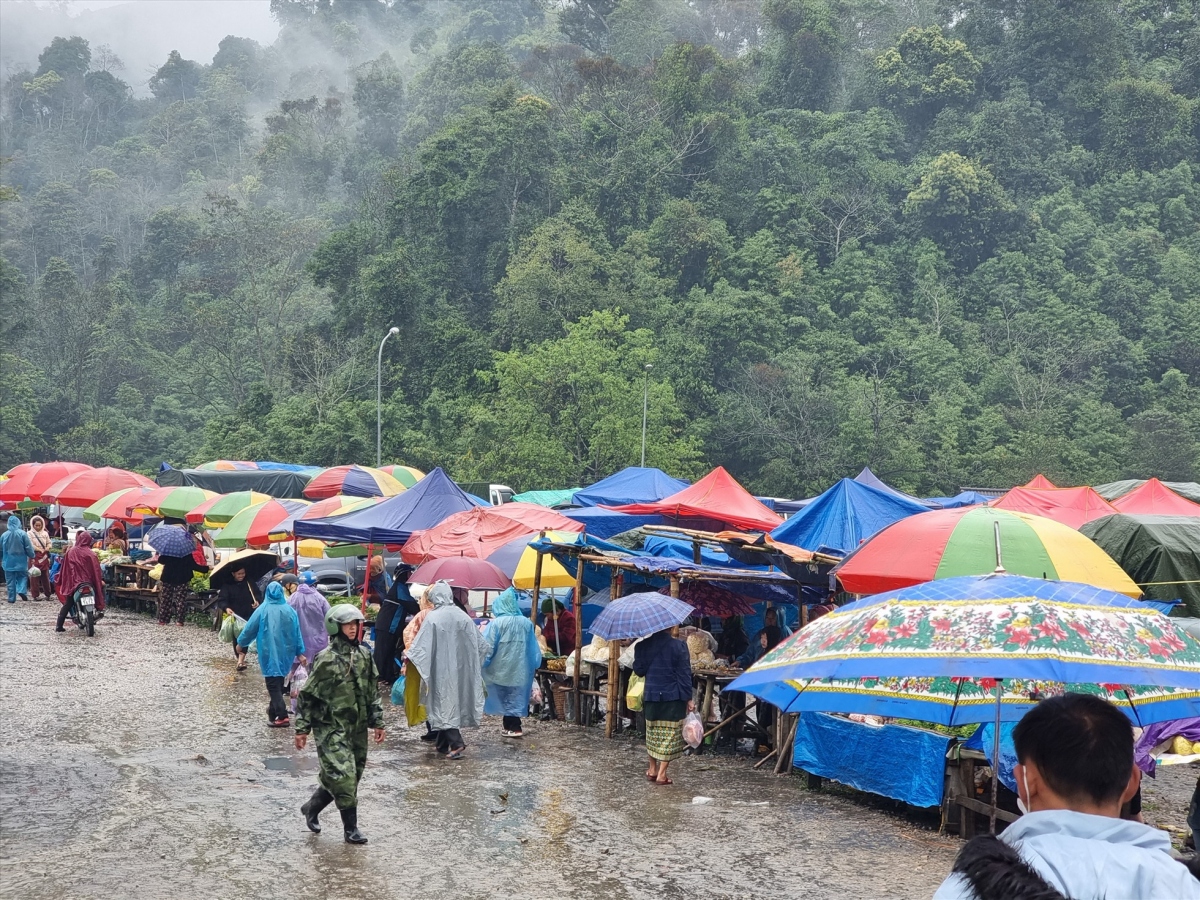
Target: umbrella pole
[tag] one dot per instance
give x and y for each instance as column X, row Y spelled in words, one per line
column 995, row 758
column 295, row 556
column 577, row 606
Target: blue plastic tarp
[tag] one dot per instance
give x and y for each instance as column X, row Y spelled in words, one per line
column 673, row 548
column 870, row 479
column 906, row 764
column 966, row 498
column 427, row 503
column 632, row 485
column 984, row 738
column 843, row 517
column 604, row 523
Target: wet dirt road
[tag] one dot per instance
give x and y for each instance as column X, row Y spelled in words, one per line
column 138, row 764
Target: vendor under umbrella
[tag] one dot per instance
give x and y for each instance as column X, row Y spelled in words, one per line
column 394, row 611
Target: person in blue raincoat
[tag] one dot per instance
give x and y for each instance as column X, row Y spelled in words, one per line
column 17, row 553
column 512, row 660
column 276, row 627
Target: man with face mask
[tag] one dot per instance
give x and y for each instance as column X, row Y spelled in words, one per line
column 1076, row 769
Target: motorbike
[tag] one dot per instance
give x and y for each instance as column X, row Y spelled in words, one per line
column 82, row 608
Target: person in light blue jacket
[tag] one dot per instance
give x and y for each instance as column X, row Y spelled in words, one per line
column 17, row 554
column 276, row 627
column 1076, row 770
column 512, row 661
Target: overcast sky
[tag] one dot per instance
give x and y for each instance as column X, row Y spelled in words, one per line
column 141, row 32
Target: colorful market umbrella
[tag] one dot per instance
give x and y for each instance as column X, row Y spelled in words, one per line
column 1000, row 627
column 171, row 540
column 356, row 481
column 463, row 572
column 86, row 487
column 336, row 505
column 28, row 480
column 406, row 475
column 519, row 561
column 311, row 548
column 220, row 509
column 482, row 530
column 639, row 615
column 227, row 465
column 117, row 505
column 949, row 542
column 261, row 524
column 176, row 502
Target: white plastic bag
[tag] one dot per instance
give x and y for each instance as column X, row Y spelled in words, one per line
column 295, row 681
column 693, row 730
column 535, row 695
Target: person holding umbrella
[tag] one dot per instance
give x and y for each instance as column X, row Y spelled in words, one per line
column 177, row 552
column 276, row 627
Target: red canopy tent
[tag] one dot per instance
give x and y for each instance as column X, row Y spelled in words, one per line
column 1070, row 506
column 482, row 530
column 1041, row 483
column 715, row 496
column 1153, row 498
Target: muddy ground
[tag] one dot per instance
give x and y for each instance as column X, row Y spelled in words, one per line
column 138, row 764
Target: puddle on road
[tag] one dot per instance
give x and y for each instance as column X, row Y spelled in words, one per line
column 294, row 765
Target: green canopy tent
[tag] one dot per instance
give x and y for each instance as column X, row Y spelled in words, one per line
column 1160, row 553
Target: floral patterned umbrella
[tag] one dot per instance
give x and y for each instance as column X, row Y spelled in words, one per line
column 965, row 628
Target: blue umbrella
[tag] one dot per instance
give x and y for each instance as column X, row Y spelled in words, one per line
column 639, row 615
column 170, row 540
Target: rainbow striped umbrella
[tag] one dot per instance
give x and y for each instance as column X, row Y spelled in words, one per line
column 220, row 509
column 406, row 475
column 176, row 502
column 227, row 465
column 117, row 505
column 356, row 481
column 336, row 505
column 261, row 524
column 946, row 543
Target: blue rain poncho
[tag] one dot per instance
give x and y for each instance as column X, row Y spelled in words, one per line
column 512, row 660
column 18, row 549
column 276, row 627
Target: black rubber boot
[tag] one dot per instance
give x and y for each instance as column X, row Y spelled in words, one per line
column 350, row 824
column 320, row 799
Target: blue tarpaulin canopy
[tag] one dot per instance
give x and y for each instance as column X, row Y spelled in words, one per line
column 843, row 517
column 604, row 523
column 870, row 479
column 966, row 498
column 632, row 485
column 424, row 505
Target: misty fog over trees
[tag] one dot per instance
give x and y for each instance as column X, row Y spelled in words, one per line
column 955, row 240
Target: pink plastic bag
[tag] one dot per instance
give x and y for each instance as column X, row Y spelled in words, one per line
column 693, row 730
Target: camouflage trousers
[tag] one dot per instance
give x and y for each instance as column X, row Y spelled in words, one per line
column 343, row 758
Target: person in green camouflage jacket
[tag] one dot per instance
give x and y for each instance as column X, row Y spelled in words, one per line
column 337, row 705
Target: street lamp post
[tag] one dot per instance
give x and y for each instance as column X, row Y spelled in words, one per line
column 379, row 398
column 645, row 404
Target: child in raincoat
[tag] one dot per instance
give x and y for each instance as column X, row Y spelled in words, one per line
column 338, row 704
column 511, row 663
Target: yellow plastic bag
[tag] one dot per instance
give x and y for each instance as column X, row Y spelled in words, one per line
column 637, row 689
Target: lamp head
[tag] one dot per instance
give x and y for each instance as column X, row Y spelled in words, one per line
column 393, row 330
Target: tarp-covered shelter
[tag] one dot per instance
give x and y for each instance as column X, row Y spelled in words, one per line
column 961, row 499
column 548, row 499
column 604, row 523
column 428, row 503
column 1070, row 506
column 717, row 497
column 1153, row 498
column 1040, row 483
column 870, row 479
column 1189, row 490
column 278, row 483
column 482, row 530
column 843, row 517
column 632, row 485
column 1160, row 553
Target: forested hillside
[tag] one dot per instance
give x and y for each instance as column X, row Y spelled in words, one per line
column 956, row 241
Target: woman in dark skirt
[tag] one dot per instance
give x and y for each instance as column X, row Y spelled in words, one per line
column 662, row 659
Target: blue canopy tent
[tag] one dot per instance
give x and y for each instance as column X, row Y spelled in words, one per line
column 843, row 517
column 966, row 498
column 632, row 485
column 870, row 479
column 431, row 500
column 604, row 523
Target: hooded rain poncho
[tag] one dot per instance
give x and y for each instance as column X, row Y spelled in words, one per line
column 512, row 660
column 80, row 566
column 276, row 627
column 311, row 607
column 16, row 546
column 448, row 652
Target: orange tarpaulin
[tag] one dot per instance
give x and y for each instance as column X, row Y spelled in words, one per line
column 1153, row 498
column 481, row 531
column 715, row 496
column 1070, row 506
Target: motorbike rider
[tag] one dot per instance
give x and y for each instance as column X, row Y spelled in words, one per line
column 80, row 566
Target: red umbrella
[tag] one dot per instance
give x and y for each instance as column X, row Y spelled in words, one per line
column 86, row 487
column 463, row 572
column 482, row 530
column 29, row 480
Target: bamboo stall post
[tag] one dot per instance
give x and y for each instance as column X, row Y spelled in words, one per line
column 537, row 583
column 784, row 763
column 675, row 586
column 577, row 607
column 614, row 668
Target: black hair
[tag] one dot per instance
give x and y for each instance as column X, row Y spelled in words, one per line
column 1081, row 745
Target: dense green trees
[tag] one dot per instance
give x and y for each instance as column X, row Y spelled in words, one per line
column 958, row 241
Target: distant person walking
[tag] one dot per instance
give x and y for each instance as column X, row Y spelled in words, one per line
column 276, row 628
column 16, row 552
column 311, row 607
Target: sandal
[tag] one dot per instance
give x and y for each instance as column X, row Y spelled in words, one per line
column 455, row 754
column 664, row 781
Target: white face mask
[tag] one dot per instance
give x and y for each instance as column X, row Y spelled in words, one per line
column 1021, row 803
